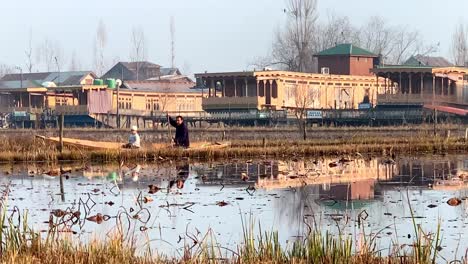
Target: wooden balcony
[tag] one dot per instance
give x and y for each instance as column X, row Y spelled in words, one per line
column 217, row 103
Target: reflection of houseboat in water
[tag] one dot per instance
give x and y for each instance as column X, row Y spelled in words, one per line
column 328, row 173
column 358, row 190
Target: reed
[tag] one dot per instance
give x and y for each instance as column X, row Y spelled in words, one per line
column 21, row 244
column 31, row 149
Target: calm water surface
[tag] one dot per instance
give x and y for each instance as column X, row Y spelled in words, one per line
column 352, row 196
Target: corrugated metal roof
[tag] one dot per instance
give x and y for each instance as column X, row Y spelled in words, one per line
column 26, row 76
column 420, row 60
column 162, row 86
column 132, row 66
column 170, row 71
column 69, row 78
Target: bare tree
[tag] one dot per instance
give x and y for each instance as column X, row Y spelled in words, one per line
column 100, row 43
column 459, row 46
column 293, row 46
column 46, row 54
column 394, row 43
column 406, row 44
column 29, row 54
column 377, row 36
column 337, row 30
column 49, row 53
column 172, row 29
column 75, row 64
column 5, row 69
column 138, row 48
column 303, row 100
column 186, row 68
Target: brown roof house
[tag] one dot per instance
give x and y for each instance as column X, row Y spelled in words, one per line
column 420, row 60
column 134, row 71
column 142, row 71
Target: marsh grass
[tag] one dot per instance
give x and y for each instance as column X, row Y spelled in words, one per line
column 21, row 244
column 32, row 149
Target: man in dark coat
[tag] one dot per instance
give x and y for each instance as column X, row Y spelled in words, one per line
column 182, row 135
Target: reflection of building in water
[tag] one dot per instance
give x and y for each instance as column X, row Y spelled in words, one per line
column 359, row 190
column 236, row 173
column 462, row 165
column 328, row 172
column 424, row 171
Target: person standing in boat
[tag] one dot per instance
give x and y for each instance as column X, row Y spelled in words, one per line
column 133, row 139
column 182, row 134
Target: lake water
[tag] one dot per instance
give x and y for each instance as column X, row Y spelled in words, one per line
column 352, row 197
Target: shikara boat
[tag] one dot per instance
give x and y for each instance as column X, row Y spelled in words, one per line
column 105, row 145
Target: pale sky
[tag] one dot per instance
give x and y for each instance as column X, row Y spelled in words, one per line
column 212, row 35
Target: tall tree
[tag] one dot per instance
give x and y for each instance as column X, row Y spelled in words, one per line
column 172, row 29
column 29, row 54
column 138, row 48
column 75, row 64
column 46, row 54
column 377, row 36
column 304, row 98
column 459, row 46
column 5, row 69
column 336, row 30
column 100, row 43
column 49, row 54
column 293, row 46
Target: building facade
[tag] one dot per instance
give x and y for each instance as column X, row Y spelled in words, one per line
column 41, row 97
column 158, row 96
column 422, row 84
column 281, row 90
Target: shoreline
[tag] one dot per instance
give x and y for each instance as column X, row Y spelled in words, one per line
column 29, row 149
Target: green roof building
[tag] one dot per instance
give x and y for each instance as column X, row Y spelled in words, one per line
column 346, row 59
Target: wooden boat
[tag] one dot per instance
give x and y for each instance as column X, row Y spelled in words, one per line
column 105, row 145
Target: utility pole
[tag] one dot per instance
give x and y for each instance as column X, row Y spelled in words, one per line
column 58, row 68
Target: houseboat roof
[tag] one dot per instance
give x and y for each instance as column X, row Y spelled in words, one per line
column 160, row 86
column 30, row 80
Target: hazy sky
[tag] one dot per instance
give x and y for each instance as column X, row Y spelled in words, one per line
column 212, row 35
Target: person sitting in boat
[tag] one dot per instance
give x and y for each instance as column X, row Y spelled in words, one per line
column 182, row 135
column 133, row 139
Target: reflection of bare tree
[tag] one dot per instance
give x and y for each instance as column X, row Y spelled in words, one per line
column 297, row 207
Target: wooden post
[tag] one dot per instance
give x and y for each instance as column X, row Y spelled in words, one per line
column 62, row 192
column 466, row 134
column 61, row 123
